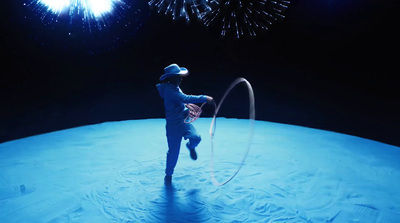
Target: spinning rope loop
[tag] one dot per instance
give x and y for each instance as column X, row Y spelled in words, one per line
column 195, row 112
column 251, row 126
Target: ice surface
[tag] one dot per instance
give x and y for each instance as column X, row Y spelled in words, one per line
column 113, row 172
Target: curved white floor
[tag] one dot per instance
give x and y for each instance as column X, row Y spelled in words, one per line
column 113, row 172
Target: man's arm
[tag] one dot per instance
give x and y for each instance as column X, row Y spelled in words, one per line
column 191, row 98
column 182, row 97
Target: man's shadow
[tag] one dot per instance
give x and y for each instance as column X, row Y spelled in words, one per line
column 184, row 206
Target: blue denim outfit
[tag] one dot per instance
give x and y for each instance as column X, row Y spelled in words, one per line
column 176, row 128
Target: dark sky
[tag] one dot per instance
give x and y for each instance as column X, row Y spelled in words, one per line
column 328, row 65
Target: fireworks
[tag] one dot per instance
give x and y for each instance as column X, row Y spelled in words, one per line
column 186, row 9
column 92, row 13
column 244, row 17
column 232, row 17
column 92, row 25
column 75, row 19
column 90, row 8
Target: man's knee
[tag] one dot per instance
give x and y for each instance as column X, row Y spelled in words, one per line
column 197, row 139
column 194, row 141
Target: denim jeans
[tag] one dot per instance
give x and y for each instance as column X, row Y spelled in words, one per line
column 175, row 132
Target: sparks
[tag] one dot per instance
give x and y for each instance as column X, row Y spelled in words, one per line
column 244, row 18
column 89, row 13
column 89, row 25
column 177, row 9
column 93, row 8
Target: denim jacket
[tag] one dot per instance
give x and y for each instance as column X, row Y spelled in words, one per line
column 175, row 100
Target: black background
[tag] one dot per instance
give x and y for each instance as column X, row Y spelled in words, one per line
column 329, row 65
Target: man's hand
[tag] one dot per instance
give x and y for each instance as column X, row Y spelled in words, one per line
column 209, row 99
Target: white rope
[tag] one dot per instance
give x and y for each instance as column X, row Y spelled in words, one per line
column 251, row 132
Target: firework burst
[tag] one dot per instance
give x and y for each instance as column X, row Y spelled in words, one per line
column 91, row 13
column 177, row 9
column 92, row 25
column 244, row 17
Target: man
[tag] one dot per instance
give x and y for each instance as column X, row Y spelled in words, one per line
column 176, row 112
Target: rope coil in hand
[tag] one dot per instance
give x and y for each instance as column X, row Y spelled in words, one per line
column 194, row 112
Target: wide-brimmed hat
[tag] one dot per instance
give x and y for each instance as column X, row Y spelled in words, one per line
column 173, row 70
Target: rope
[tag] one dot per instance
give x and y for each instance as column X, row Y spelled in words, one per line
column 251, row 132
column 194, row 112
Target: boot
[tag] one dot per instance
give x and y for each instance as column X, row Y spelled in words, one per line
column 168, row 180
column 193, row 153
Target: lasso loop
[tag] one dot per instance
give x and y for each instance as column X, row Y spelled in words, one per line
column 251, row 132
column 195, row 112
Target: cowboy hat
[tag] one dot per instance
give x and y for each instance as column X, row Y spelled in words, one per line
column 173, row 70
